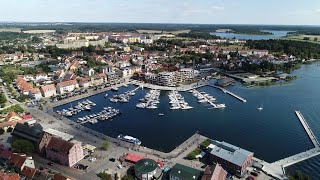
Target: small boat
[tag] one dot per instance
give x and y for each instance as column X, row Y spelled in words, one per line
column 129, row 139
column 260, row 108
column 106, row 95
column 161, row 114
column 114, row 89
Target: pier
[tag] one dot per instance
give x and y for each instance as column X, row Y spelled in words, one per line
column 204, row 97
column 307, row 128
column 151, row 98
column 230, row 93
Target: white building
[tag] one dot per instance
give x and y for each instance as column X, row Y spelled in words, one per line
column 48, row 90
column 67, row 86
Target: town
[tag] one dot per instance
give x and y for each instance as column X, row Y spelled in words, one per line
column 46, row 68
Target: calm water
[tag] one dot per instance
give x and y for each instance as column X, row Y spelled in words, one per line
column 271, row 134
column 276, row 34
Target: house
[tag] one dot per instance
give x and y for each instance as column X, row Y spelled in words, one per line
column 35, row 93
column 104, row 69
column 182, row 172
column 67, row 86
column 28, row 132
column 214, row 172
column 64, row 152
column 232, row 158
column 28, row 172
column 48, row 90
column 137, row 48
column 4, row 152
column 86, row 71
column 21, row 161
column 48, row 134
column 9, row 176
column 11, row 120
column 85, row 82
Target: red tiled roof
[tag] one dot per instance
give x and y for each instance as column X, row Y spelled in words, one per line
column 28, row 172
column 49, row 87
column 67, row 83
column 60, row 177
column 17, row 160
column 59, row 145
column 11, row 176
column 5, row 153
column 10, row 115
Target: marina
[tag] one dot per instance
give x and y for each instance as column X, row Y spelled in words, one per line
column 85, row 105
column 123, row 98
column 106, row 114
column 239, row 118
column 206, row 98
column 177, row 101
column 150, row 101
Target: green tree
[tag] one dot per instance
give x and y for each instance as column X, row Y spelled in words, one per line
column 104, row 176
column 3, row 99
column 205, row 143
column 2, row 131
column 306, row 38
column 127, row 177
column 22, row 146
column 10, row 129
column 298, row 175
column 315, row 39
column 105, row 145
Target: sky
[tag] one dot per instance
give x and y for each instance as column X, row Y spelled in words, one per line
column 283, row 12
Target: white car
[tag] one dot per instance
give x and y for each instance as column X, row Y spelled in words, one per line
column 119, row 166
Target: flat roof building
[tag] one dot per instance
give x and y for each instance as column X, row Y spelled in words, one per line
column 232, row 158
column 182, row 172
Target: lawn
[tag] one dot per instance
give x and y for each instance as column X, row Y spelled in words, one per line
column 302, row 36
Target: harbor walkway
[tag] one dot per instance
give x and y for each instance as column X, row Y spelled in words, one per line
column 165, row 88
column 230, row 93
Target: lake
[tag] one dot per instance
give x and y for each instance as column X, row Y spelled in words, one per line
column 272, row 134
column 276, row 34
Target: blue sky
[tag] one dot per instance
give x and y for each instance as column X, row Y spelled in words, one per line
column 296, row 12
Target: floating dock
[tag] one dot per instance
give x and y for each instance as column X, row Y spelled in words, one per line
column 207, row 100
column 307, row 128
column 229, row 92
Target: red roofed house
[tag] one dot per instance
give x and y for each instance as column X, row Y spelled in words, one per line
column 27, row 117
column 11, row 120
column 35, row 93
column 28, row 172
column 214, row 172
column 4, row 153
column 61, row 177
column 85, row 82
column 11, row 176
column 64, row 152
column 67, row 86
column 133, row 158
column 48, row 90
column 21, row 161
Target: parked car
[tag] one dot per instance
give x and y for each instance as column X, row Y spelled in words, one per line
column 50, row 163
column 112, row 159
column 250, row 178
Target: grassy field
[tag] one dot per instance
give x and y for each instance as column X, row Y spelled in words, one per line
column 39, row 31
column 10, row 30
column 10, row 68
column 163, row 32
column 302, row 36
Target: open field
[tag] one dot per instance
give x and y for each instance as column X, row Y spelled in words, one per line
column 163, row 32
column 10, row 30
column 39, row 31
column 302, row 36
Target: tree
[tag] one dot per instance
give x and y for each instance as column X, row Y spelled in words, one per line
column 127, row 177
column 3, row 99
column 10, row 129
column 104, row 176
column 298, row 175
column 2, row 131
column 205, row 143
column 22, row 146
column 315, row 39
column 105, row 145
column 306, row 38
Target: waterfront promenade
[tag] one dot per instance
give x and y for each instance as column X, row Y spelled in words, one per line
column 166, row 88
